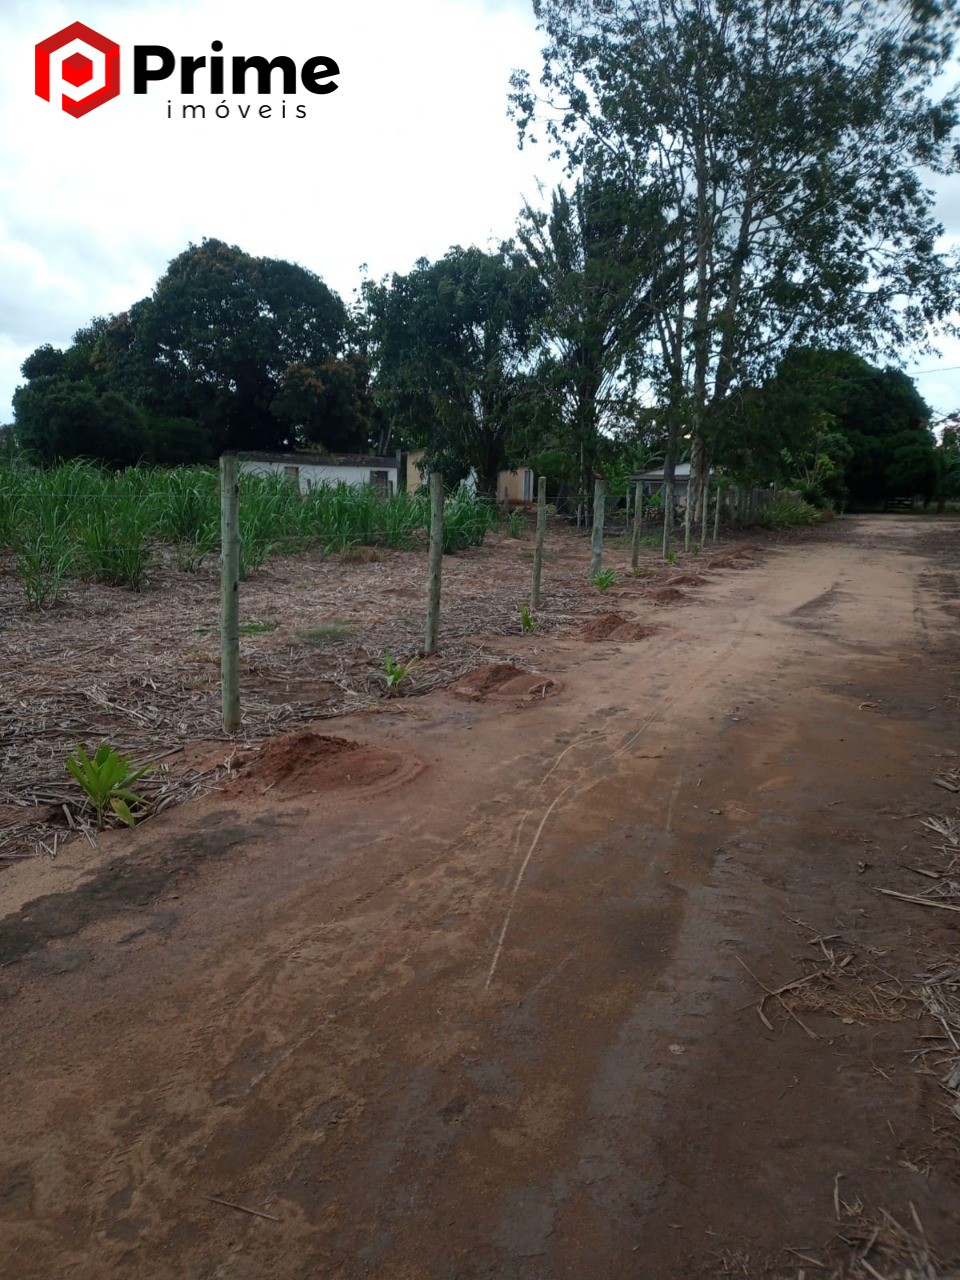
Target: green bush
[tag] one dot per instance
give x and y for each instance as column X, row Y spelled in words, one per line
column 466, row 520
column 785, row 512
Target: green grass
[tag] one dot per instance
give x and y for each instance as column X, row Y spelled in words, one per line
column 322, row 634
column 256, row 628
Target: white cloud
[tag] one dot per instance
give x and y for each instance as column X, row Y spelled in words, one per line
column 412, row 153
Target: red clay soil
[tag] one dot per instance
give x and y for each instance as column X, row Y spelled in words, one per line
column 303, row 762
column 509, row 1021
column 613, row 626
column 505, row 682
column 665, row 595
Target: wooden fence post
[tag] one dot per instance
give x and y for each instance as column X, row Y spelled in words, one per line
column 538, row 546
column 637, row 522
column 705, row 511
column 229, row 593
column 667, row 494
column 436, row 562
column 596, row 541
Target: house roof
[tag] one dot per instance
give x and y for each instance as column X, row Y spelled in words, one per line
column 321, row 460
column 680, row 472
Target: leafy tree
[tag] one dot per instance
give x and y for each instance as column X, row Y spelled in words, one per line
column 591, row 256
column 217, row 336
column 784, row 142
column 850, row 427
column 57, row 419
column 175, row 442
column 948, row 462
column 328, row 406
column 46, row 362
column 208, row 361
column 451, row 343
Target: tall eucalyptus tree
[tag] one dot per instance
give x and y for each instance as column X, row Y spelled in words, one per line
column 789, row 143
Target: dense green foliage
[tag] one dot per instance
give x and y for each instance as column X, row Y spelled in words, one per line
column 785, row 512
column 228, row 352
column 451, row 343
column 856, row 433
column 783, row 145
column 592, row 254
column 80, row 520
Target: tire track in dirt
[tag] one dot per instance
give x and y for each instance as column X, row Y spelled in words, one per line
column 578, row 786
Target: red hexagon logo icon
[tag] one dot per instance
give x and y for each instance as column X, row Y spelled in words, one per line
column 78, row 58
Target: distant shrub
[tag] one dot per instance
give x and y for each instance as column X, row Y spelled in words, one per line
column 785, row 511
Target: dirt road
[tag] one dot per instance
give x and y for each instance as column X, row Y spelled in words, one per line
column 485, row 1003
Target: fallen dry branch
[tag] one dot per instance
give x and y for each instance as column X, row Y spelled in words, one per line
column 242, row 1208
column 777, row 996
column 853, row 990
column 920, row 900
column 940, row 996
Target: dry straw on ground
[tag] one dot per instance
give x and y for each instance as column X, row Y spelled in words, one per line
column 141, row 670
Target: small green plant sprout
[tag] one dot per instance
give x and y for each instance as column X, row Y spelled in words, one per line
column 516, row 525
column 605, row 579
column 256, row 628
column 671, row 557
column 106, row 779
column 528, row 622
column 396, row 672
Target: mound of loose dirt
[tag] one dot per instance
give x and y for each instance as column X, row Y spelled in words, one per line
column 665, row 595
column 613, row 626
column 684, row 580
column 303, row 762
column 504, row 682
column 742, row 556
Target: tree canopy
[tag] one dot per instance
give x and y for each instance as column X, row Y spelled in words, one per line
column 229, row 351
column 591, row 255
column 848, row 430
column 451, row 343
column 785, row 144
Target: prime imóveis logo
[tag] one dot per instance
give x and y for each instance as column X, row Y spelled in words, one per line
column 79, row 69
column 78, row 66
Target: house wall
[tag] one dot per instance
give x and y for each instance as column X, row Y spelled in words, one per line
column 414, row 470
column 310, row 476
column 416, row 473
column 517, row 486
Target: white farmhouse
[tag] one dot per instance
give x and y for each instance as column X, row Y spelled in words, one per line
column 310, row 470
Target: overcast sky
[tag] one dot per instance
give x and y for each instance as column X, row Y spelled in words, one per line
column 413, row 153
